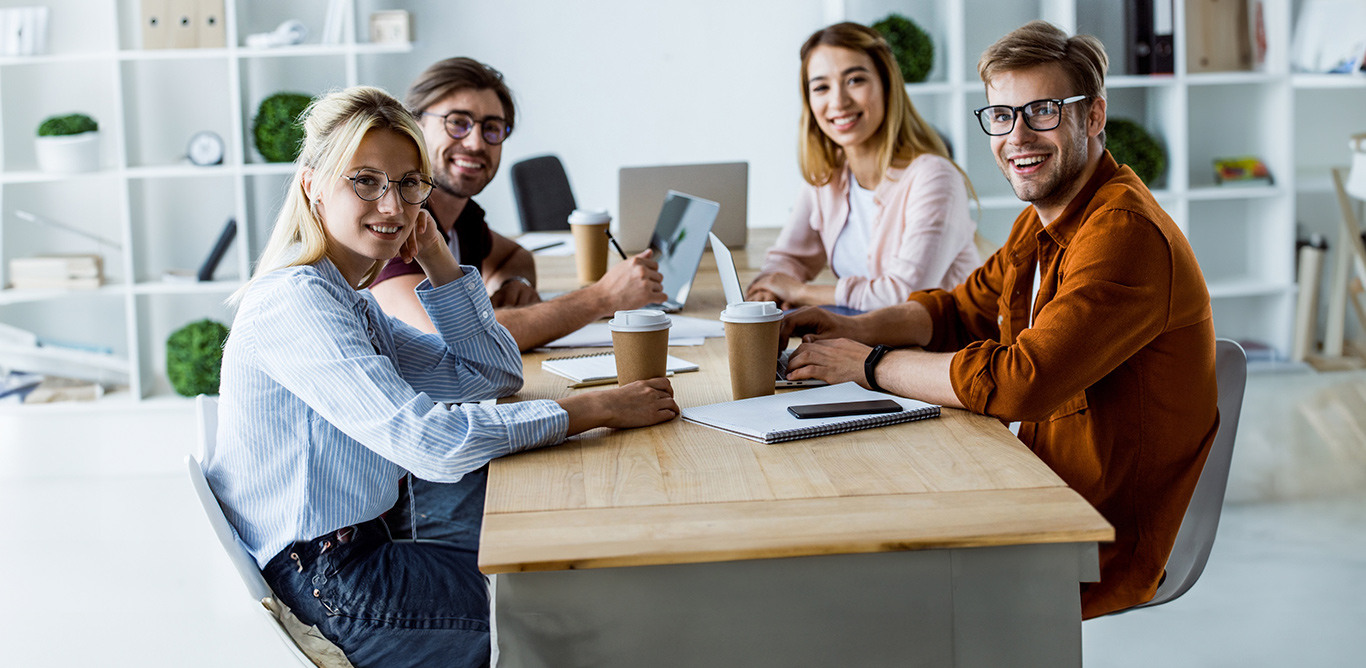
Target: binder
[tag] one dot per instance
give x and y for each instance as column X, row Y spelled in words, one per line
column 1219, row 36
column 182, row 28
column 155, row 34
column 766, row 420
column 219, row 248
column 1148, row 28
column 212, row 32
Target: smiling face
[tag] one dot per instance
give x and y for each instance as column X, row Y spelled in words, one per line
column 846, row 96
column 361, row 233
column 462, row 167
column 1044, row 168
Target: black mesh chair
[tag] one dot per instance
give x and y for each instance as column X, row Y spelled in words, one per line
column 544, row 198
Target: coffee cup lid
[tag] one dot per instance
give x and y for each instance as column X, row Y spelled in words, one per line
column 589, row 217
column 639, row 320
column 752, row 312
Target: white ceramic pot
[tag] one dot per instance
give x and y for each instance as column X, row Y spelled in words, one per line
column 69, row 153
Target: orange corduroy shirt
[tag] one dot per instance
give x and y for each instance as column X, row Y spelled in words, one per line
column 1114, row 382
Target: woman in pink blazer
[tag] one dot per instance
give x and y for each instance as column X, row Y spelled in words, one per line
column 884, row 206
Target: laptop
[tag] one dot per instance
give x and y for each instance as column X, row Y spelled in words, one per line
column 679, row 237
column 640, row 190
column 730, row 285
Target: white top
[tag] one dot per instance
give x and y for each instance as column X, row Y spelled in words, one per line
column 850, row 257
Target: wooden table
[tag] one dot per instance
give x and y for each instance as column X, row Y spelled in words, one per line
column 939, row 542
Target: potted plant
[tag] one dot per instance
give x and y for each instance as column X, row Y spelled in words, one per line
column 1130, row 144
column 194, row 357
column 68, row 143
column 278, row 130
column 912, row 46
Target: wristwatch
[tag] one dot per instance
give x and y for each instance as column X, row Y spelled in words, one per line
column 870, row 365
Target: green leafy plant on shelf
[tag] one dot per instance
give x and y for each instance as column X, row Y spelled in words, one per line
column 912, row 46
column 68, row 124
column 194, row 357
column 278, row 129
column 1132, row 145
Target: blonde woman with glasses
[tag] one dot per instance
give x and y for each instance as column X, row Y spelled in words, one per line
column 326, row 402
column 884, row 206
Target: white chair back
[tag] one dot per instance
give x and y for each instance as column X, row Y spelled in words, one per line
column 206, row 408
column 1195, row 538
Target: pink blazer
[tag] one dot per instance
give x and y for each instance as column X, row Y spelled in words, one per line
column 922, row 238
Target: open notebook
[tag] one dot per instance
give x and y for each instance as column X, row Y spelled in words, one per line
column 765, row 419
column 600, row 368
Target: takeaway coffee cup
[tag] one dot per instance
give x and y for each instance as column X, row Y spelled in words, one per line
column 590, row 242
column 752, row 347
column 640, row 340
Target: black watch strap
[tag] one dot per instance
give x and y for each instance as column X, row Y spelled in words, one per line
column 870, row 365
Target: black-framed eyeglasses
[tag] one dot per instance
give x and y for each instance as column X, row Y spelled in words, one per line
column 370, row 184
column 1039, row 115
column 459, row 124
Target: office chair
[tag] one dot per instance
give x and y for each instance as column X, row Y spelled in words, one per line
column 1196, row 535
column 544, row 198
column 263, row 599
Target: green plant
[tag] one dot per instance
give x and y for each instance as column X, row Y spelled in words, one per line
column 1132, row 145
column 912, row 46
column 278, row 128
column 69, row 124
column 194, row 356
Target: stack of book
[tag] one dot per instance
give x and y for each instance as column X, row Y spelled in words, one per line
column 70, row 272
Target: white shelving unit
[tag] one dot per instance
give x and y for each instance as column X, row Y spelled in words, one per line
column 1244, row 237
column 165, row 212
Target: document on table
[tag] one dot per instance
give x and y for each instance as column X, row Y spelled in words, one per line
column 684, row 331
column 548, row 243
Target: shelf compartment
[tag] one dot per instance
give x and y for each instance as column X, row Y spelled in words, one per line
column 261, row 79
column 84, row 88
column 175, row 224
column 159, row 121
column 1256, row 126
column 160, row 315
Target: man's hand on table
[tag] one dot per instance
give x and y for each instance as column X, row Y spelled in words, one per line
column 515, row 291
column 630, row 284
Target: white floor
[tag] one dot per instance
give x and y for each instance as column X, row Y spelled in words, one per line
column 105, row 558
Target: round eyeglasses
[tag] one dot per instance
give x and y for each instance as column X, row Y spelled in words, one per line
column 370, row 184
column 459, row 124
column 1039, row 115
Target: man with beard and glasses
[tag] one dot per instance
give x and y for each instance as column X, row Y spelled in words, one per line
column 465, row 111
column 1090, row 328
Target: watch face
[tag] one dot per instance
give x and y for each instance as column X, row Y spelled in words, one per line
column 206, row 148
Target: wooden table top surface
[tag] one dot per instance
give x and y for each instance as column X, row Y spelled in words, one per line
column 684, row 493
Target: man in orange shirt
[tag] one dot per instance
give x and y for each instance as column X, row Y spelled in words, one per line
column 1091, row 327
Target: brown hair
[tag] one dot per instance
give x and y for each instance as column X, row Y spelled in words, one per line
column 1081, row 57
column 452, row 74
column 903, row 136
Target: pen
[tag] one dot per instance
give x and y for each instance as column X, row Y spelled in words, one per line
column 607, row 381
column 549, row 245
column 615, row 244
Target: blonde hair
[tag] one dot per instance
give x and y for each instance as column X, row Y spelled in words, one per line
column 903, row 135
column 334, row 126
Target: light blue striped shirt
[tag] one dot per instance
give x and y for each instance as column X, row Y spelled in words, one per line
column 326, row 402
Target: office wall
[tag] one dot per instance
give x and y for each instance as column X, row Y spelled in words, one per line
column 611, row 83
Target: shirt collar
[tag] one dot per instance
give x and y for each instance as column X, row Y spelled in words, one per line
column 1070, row 221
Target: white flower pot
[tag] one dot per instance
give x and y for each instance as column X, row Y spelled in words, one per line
column 69, row 153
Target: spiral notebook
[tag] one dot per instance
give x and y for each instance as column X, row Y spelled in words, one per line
column 600, row 368
column 765, row 419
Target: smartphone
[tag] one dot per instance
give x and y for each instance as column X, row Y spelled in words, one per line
column 805, row 411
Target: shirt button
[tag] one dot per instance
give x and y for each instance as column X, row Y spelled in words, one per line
column 1000, row 320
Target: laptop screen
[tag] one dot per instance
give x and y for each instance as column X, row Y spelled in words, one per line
column 679, row 238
